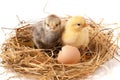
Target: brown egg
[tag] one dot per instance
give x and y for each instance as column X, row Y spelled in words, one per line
column 69, row 55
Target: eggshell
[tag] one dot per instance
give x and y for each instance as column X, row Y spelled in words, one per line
column 69, row 55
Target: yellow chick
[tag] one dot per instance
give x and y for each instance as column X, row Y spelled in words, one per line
column 76, row 33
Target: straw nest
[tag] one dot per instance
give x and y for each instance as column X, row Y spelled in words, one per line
column 19, row 54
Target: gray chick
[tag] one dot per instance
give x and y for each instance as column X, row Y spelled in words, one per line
column 47, row 33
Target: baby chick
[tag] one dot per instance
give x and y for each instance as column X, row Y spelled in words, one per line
column 76, row 33
column 47, row 33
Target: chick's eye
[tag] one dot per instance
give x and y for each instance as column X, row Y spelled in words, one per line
column 47, row 24
column 56, row 25
column 78, row 24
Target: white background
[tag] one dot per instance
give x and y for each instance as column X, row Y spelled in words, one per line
column 32, row 10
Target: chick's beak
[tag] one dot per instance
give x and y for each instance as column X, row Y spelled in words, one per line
column 84, row 25
column 52, row 27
